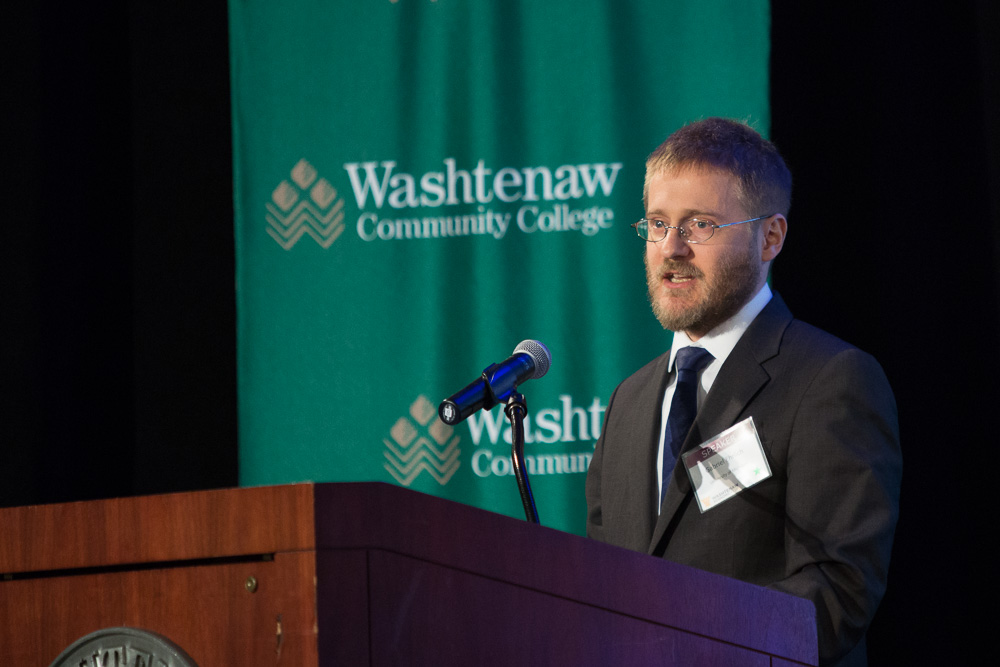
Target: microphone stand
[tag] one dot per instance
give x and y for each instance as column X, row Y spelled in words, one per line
column 516, row 410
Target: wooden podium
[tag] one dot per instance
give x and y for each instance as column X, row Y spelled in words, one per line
column 368, row 574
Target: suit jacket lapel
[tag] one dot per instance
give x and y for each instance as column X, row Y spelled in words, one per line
column 647, row 485
column 739, row 380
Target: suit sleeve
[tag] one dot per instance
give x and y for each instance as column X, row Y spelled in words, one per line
column 844, row 469
column 595, row 526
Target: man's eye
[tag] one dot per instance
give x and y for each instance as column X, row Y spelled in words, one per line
column 700, row 224
column 657, row 224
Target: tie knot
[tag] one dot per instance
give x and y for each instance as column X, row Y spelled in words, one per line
column 693, row 359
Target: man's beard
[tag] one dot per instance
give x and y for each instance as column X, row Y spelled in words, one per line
column 732, row 286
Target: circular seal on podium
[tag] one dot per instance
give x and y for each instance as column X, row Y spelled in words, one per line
column 124, row 647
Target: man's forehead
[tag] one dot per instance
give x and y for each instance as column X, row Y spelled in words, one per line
column 712, row 193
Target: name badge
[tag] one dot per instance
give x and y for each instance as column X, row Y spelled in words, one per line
column 727, row 464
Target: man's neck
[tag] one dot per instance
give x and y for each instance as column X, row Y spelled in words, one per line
column 723, row 337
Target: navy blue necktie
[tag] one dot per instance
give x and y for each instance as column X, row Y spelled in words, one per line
column 683, row 407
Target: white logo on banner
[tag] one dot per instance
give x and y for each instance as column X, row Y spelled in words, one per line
column 478, row 201
column 421, row 443
column 306, row 205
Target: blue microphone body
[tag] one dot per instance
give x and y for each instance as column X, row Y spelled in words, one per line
column 530, row 360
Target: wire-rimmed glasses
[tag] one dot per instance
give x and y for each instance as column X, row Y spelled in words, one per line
column 692, row 230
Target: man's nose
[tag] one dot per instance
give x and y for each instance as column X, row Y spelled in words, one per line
column 673, row 244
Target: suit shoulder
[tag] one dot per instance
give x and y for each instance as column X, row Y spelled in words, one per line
column 807, row 346
column 641, row 379
column 799, row 334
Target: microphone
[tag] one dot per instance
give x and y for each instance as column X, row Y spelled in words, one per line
column 530, row 360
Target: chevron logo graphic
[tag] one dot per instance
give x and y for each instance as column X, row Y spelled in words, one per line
column 420, row 442
column 308, row 204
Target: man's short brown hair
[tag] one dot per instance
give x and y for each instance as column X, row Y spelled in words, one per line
column 764, row 182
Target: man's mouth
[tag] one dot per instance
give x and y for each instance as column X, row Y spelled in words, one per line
column 672, row 277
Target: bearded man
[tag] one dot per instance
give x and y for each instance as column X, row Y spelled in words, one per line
column 810, row 409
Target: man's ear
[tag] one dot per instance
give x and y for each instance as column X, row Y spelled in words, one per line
column 775, row 229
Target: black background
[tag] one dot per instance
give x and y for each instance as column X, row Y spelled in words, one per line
column 118, row 311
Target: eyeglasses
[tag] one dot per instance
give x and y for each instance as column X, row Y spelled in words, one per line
column 693, row 230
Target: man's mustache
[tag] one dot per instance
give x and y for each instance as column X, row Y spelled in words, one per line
column 674, row 267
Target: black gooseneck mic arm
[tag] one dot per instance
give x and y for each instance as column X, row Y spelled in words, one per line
column 516, row 410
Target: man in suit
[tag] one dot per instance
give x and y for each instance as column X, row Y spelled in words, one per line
column 716, row 196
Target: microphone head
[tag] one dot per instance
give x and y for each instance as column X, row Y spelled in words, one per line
column 539, row 355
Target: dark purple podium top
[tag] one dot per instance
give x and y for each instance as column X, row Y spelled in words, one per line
column 408, row 578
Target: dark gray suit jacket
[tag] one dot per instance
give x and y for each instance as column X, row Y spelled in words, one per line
column 820, row 527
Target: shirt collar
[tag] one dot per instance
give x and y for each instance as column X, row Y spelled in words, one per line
column 721, row 340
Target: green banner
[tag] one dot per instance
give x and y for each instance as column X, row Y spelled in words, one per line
column 419, row 186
